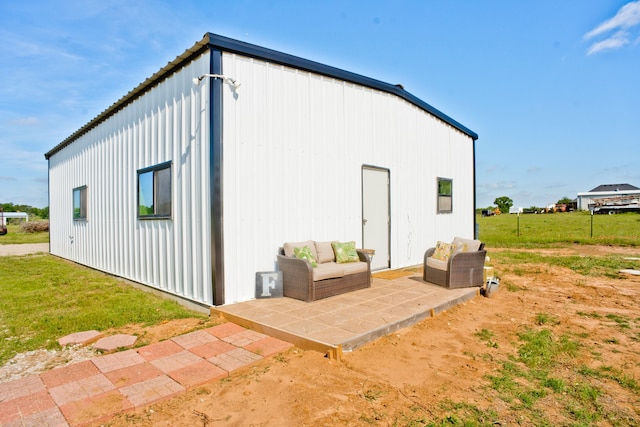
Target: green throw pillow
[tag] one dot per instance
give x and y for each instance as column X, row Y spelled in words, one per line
column 443, row 251
column 305, row 253
column 345, row 252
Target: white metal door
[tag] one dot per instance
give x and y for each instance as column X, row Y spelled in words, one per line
column 376, row 215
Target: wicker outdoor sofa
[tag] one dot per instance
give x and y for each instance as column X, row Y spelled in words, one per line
column 303, row 281
column 459, row 264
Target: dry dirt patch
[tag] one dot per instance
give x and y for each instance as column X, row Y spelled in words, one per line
column 408, row 376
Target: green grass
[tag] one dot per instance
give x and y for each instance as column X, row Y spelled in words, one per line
column 486, row 336
column 604, row 266
column 559, row 229
column 15, row 236
column 43, row 298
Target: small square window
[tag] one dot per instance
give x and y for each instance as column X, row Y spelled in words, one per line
column 445, row 195
column 80, row 203
column 154, row 191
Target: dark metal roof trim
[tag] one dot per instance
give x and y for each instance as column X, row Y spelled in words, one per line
column 210, row 41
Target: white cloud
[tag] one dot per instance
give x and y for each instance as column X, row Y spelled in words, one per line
column 627, row 18
column 25, row 121
column 614, row 42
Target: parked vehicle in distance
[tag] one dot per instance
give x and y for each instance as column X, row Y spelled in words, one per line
column 614, row 205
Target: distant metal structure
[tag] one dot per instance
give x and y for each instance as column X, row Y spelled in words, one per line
column 613, row 205
column 3, row 228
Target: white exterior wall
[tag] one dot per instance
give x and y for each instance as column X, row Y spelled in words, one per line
column 168, row 123
column 294, row 144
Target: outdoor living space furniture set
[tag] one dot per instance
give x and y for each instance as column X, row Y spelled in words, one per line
column 314, row 270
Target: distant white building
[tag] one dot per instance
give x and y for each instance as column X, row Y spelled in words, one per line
column 191, row 181
column 590, row 198
column 20, row 215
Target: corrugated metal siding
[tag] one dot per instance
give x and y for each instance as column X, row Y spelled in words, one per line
column 168, row 123
column 294, row 146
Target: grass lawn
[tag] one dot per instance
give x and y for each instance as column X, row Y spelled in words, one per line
column 559, row 229
column 15, row 236
column 43, row 298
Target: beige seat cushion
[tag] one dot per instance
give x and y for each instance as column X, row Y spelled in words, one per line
column 290, row 246
column 466, row 245
column 328, row 270
column 325, row 252
column 437, row 263
column 354, row 267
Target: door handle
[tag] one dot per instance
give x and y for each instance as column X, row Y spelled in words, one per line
column 364, row 221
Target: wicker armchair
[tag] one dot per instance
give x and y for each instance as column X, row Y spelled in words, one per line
column 463, row 269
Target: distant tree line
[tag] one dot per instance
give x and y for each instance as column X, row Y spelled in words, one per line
column 504, row 203
column 35, row 213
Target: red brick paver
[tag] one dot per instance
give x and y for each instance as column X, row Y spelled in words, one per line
column 225, row 330
column 100, row 407
column 234, row 359
column 95, row 390
column 159, row 350
column 22, row 406
column 115, row 361
column 268, row 346
column 176, row 361
column 197, row 374
column 194, row 339
column 133, row 374
column 115, row 342
column 152, row 390
column 79, row 338
column 69, row 373
column 244, row 338
column 212, row 349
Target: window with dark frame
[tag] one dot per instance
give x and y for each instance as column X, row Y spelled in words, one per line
column 445, row 195
column 80, row 203
column 154, row 192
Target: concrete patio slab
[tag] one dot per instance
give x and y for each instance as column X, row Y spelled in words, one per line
column 349, row 321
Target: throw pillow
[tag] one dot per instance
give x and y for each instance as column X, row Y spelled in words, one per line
column 305, row 253
column 460, row 247
column 443, row 251
column 345, row 252
column 325, row 252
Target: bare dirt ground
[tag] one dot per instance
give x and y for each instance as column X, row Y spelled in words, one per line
column 417, row 375
column 406, row 377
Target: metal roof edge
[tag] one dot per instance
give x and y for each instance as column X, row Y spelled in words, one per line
column 227, row 44
column 232, row 45
column 143, row 87
column 608, row 193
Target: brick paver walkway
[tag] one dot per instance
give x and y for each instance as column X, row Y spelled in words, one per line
column 96, row 390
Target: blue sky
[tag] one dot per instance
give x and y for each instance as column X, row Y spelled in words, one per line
column 551, row 87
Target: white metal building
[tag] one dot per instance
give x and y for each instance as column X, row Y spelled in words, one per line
column 7, row 215
column 191, row 188
column 586, row 200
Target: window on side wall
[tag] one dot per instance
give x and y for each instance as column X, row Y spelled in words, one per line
column 80, row 203
column 154, row 192
column 445, row 195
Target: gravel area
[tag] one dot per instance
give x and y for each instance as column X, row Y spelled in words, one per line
column 23, row 249
column 38, row 361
